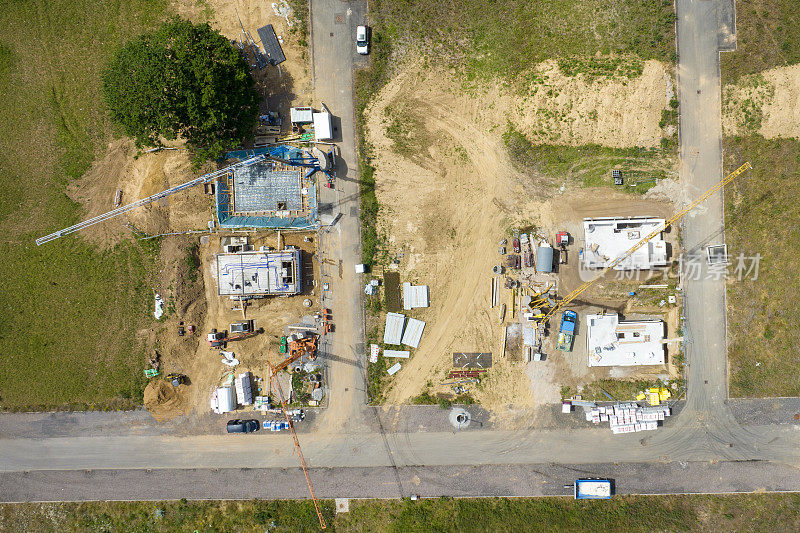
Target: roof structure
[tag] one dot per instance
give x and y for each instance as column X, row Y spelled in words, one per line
column 277, row 194
column 272, row 48
column 413, row 333
column 248, row 274
column 608, row 238
column 614, row 342
column 402, row 354
column 393, row 331
column 414, row 296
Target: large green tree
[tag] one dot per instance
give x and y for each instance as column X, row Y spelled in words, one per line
column 183, row 79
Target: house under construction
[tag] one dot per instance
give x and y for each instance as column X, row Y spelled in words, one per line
column 256, row 274
column 275, row 193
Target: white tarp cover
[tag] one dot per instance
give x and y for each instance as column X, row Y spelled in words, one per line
column 159, row 312
column 414, row 296
column 413, row 333
column 403, row 354
column 226, row 400
column 393, row 332
column 394, row 369
column 528, row 336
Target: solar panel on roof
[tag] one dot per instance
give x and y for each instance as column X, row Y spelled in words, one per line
column 272, row 48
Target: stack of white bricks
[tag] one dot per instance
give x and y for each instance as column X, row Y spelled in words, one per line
column 628, row 417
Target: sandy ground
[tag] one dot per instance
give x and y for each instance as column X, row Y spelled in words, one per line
column 293, row 83
column 201, row 306
column 138, row 178
column 552, row 107
column 774, row 95
column 444, row 211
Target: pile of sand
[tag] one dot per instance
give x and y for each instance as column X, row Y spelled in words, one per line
column 163, row 400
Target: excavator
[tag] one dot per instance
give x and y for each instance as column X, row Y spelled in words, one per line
column 298, row 347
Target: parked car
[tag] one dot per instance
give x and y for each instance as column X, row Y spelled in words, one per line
column 242, row 426
column 362, row 40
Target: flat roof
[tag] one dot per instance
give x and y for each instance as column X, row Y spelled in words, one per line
column 414, row 296
column 393, row 331
column 259, row 273
column 413, row 332
column 614, row 342
column 609, row 237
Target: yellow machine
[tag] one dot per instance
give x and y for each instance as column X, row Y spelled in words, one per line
column 677, row 216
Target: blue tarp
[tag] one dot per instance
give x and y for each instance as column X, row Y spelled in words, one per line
column 289, row 153
column 228, row 220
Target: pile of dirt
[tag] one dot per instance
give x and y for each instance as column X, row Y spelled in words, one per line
column 164, row 401
column 766, row 103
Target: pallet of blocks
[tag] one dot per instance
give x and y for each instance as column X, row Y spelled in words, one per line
column 628, row 417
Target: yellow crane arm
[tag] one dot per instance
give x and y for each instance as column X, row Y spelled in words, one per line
column 677, row 216
column 275, row 383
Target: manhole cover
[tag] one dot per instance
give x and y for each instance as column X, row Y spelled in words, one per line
column 459, row 418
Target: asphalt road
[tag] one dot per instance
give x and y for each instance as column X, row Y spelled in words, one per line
column 354, row 452
column 387, row 482
column 333, row 28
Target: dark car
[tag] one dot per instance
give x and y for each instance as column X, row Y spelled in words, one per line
column 242, row 426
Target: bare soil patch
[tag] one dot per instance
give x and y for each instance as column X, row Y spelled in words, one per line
column 197, row 303
column 138, row 177
column 766, row 103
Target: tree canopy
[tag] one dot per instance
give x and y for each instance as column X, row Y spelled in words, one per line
column 182, row 79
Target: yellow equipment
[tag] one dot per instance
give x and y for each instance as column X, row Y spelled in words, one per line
column 276, row 384
column 677, row 216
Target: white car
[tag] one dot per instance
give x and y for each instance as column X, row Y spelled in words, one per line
column 362, row 40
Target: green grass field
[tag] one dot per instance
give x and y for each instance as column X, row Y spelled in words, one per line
column 69, row 312
column 588, row 165
column 506, row 37
column 755, row 512
column 767, row 37
column 761, row 217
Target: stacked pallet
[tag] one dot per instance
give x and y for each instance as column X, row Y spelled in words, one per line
column 628, row 417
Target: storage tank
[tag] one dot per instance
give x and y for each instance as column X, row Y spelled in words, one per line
column 544, row 259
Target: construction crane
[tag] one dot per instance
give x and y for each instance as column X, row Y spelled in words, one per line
column 677, row 216
column 312, row 164
column 205, row 178
column 297, row 349
column 276, row 384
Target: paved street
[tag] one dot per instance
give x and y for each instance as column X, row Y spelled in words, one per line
column 388, row 482
column 333, row 27
column 357, row 451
